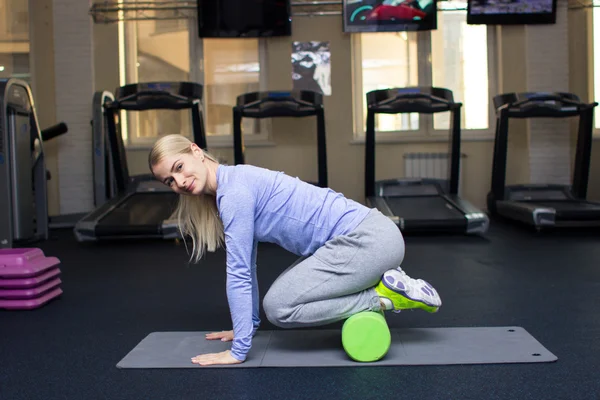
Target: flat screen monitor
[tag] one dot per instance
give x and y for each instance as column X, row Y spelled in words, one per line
column 511, row 12
column 244, row 18
column 389, row 15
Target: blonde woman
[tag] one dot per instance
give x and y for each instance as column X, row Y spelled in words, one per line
column 349, row 255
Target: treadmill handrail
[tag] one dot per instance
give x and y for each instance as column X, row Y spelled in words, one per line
column 278, row 102
column 535, row 104
column 298, row 96
column 151, row 93
column 53, row 131
column 412, row 106
column 545, row 97
column 415, row 96
column 160, row 100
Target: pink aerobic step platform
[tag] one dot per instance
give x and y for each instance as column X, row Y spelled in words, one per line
column 28, row 279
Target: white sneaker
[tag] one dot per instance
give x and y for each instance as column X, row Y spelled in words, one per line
column 407, row 293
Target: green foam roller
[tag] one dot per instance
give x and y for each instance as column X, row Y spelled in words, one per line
column 366, row 336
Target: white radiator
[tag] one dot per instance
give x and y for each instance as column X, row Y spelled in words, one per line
column 430, row 165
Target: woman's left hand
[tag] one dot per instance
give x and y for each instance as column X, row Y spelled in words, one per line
column 224, row 357
column 225, row 336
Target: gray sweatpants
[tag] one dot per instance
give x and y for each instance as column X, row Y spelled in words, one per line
column 338, row 280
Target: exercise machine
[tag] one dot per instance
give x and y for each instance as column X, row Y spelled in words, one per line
column 271, row 104
column 62, row 220
column 23, row 175
column 103, row 180
column 104, row 172
column 142, row 207
column 543, row 205
column 425, row 205
column 23, row 211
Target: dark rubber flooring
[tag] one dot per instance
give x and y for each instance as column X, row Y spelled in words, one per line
column 117, row 293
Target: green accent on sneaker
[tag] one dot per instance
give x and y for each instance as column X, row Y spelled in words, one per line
column 366, row 336
column 401, row 302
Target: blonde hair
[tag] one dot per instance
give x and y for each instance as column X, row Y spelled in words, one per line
column 197, row 216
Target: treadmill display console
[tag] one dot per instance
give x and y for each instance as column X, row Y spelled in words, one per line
column 409, row 91
column 538, row 95
column 279, row 95
column 159, row 86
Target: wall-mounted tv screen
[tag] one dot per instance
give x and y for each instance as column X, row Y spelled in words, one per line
column 244, row 18
column 389, row 15
column 511, row 12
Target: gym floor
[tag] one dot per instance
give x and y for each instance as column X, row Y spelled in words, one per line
column 117, row 293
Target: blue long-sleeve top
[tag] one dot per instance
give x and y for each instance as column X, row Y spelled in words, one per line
column 260, row 205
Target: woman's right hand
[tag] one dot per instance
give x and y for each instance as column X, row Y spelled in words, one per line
column 225, row 336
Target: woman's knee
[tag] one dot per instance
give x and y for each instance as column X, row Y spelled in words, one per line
column 399, row 248
column 276, row 311
column 394, row 243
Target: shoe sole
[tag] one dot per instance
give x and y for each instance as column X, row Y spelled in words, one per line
column 422, row 302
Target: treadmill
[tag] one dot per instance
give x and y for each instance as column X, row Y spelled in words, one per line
column 142, row 207
column 543, row 205
column 104, row 186
column 270, row 104
column 420, row 205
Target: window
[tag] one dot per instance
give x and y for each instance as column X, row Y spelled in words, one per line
column 454, row 56
column 152, row 54
column 165, row 50
column 459, row 59
column 382, row 69
column 231, row 68
column 14, row 39
column 14, row 20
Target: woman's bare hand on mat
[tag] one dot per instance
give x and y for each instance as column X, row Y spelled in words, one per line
column 225, row 336
column 224, row 357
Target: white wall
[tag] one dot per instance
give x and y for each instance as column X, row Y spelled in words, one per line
column 74, row 82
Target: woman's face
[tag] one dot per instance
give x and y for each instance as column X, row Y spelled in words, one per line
column 183, row 173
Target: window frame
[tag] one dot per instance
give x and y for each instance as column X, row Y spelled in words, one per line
column 426, row 131
column 264, row 134
column 196, row 74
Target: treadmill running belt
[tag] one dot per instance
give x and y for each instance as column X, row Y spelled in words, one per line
column 426, row 214
column 424, row 208
column 139, row 213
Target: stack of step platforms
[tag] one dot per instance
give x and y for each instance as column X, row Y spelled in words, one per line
column 28, row 279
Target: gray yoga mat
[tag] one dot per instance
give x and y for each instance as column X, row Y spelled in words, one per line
column 322, row 348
